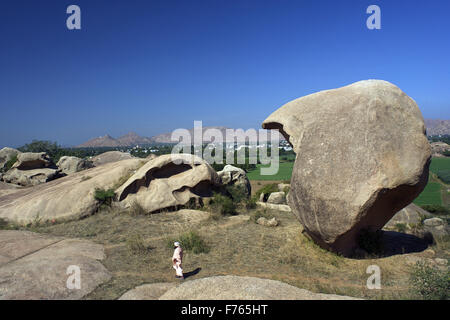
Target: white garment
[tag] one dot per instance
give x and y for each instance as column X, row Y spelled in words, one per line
column 177, row 260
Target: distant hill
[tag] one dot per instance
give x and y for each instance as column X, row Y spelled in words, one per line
column 132, row 139
column 437, row 127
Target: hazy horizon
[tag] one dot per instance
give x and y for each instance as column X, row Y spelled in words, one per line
column 153, row 66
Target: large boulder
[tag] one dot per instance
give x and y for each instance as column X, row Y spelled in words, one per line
column 69, row 164
column 231, row 175
column 69, row 197
column 362, row 155
column 162, row 183
column 243, row 288
column 31, row 177
column 32, row 160
column 110, row 156
column 277, row 198
column 6, row 154
column 410, row 215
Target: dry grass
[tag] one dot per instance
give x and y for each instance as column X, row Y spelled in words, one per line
column 237, row 245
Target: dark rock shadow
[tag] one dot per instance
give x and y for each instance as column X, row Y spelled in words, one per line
column 191, row 273
column 400, row 243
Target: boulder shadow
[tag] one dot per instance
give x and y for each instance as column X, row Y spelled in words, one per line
column 401, row 243
column 191, row 273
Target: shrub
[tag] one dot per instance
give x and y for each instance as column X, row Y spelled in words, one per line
column 444, row 175
column 429, row 282
column 237, row 192
column 371, row 241
column 223, row 204
column 136, row 244
column 136, row 209
column 258, row 214
column 250, row 203
column 10, row 162
column 104, row 196
column 436, row 209
column 268, row 188
column 401, row 227
column 190, row 241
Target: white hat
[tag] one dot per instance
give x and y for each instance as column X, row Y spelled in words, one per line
column 176, row 244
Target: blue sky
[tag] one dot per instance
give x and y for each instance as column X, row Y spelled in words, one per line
column 152, row 66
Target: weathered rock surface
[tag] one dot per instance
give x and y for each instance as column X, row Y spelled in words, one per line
column 69, row 197
column 161, row 183
column 271, row 206
column 32, row 160
column 7, row 154
column 110, row 156
column 150, row 291
column 69, row 164
column 7, row 188
column 34, row 266
column 31, row 177
column 277, row 198
column 362, row 155
column 231, row 175
column 243, row 288
column 409, row 215
column 438, row 148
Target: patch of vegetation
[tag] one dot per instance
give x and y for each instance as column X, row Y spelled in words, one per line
column 430, row 195
column 105, row 197
column 136, row 209
column 250, row 203
column 190, row 241
column 237, row 192
column 267, row 189
column 254, row 216
column 371, row 241
column 223, row 204
column 400, row 227
column 284, row 172
column 444, row 175
column 10, row 163
column 436, row 209
column 430, row 283
column 136, row 244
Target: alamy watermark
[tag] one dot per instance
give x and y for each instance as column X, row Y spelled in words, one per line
column 234, row 146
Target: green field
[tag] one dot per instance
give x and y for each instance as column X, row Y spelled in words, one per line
column 284, row 172
column 430, row 195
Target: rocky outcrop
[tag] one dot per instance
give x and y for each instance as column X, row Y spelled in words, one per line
column 110, row 156
column 31, row 177
column 34, row 266
column 410, row 215
column 162, row 183
column 438, row 148
column 32, row 160
column 6, row 154
column 69, row 164
column 234, row 176
column 69, row 197
column 243, row 288
column 277, row 198
column 362, row 155
column 150, row 291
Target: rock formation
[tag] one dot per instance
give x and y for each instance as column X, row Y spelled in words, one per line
column 231, row 175
column 161, row 183
column 69, row 197
column 6, row 154
column 362, row 155
column 68, row 164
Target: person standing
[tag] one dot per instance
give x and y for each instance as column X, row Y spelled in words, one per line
column 177, row 259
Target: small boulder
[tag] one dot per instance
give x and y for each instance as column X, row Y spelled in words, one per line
column 267, row 222
column 433, row 222
column 31, row 177
column 110, row 156
column 69, row 164
column 277, row 198
column 231, row 175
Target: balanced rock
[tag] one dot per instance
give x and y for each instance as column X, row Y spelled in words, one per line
column 70, row 197
column 110, row 156
column 6, row 154
column 69, row 164
column 168, row 181
column 32, row 160
column 362, row 155
column 231, row 175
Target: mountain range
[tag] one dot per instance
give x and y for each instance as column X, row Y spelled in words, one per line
column 434, row 127
column 133, row 139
